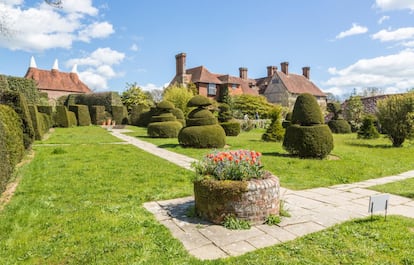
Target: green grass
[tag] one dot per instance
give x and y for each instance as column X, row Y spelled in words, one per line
column 82, row 204
column 403, row 188
column 353, row 159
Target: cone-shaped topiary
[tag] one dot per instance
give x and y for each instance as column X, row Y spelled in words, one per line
column 306, row 111
column 308, row 137
column 202, row 130
column 164, row 124
column 275, row 131
column 368, row 129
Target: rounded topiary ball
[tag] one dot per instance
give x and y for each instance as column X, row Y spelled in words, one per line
column 199, row 101
column 166, row 129
column 207, row 136
column 307, row 111
column 339, row 126
column 200, row 116
column 165, row 105
column 163, row 117
column 231, row 128
column 308, row 141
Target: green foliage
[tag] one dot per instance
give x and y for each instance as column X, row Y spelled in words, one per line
column 231, row 128
column 18, row 102
column 135, row 96
column 250, row 104
column 120, row 114
column 207, row 136
column 4, row 85
column 11, row 143
column 339, row 126
column 308, row 141
column 396, row 116
column 137, row 115
column 168, row 116
column 199, row 101
column 25, row 86
column 275, row 132
column 354, row 112
column 37, row 122
column 45, row 109
column 225, row 113
column 72, row 122
column 288, row 120
column 65, row 118
column 107, row 99
column 179, row 96
column 97, row 114
column 224, row 96
column 232, row 223
column 82, row 114
column 165, row 129
column 179, row 114
column 165, row 105
column 273, row 219
column 306, row 111
column 200, row 117
column 334, row 108
column 368, row 130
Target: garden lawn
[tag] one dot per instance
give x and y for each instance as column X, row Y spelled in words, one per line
column 403, row 188
column 352, row 159
column 81, row 203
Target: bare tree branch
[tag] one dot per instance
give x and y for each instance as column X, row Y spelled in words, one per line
column 54, row 3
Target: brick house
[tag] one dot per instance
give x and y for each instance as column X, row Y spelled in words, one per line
column 280, row 87
column 56, row 83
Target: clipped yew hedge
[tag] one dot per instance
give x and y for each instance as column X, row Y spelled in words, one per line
column 339, row 126
column 231, row 128
column 82, row 114
column 11, row 143
column 120, row 114
column 37, row 121
column 207, row 136
column 18, row 102
column 65, row 118
column 97, row 114
column 165, row 129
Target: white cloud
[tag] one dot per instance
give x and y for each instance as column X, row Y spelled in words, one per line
column 396, row 35
column 382, row 19
column 96, row 30
column 393, row 73
column 388, row 5
column 44, row 27
column 150, row 86
column 354, row 30
column 134, row 47
column 99, row 65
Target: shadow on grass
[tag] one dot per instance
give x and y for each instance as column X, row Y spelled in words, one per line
column 169, row 145
column 367, row 145
column 277, row 154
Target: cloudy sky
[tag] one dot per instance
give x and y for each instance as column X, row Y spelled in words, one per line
column 349, row 44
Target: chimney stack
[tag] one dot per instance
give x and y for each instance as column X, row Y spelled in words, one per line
column 271, row 70
column 180, row 63
column 243, row 73
column 285, row 67
column 306, row 71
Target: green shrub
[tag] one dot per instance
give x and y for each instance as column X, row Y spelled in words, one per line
column 120, row 114
column 179, row 114
column 288, row 120
column 306, row 111
column 72, row 119
column 275, row 131
column 4, row 85
column 137, row 116
column 231, row 128
column 166, row 129
column 17, row 101
column 200, row 117
column 65, row 118
column 179, row 96
column 11, row 143
column 224, row 112
column 396, row 117
column 82, row 114
column 45, row 109
column 163, row 117
column 308, row 137
column 106, row 99
column 368, row 130
column 37, row 122
column 250, row 104
column 46, row 122
column 207, row 136
column 339, row 126
column 97, row 114
column 25, row 86
column 308, row 141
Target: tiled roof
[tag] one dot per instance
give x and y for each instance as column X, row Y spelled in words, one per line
column 56, row 80
column 246, row 85
column 200, row 74
column 299, row 84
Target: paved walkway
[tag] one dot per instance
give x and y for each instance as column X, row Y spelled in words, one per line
column 311, row 210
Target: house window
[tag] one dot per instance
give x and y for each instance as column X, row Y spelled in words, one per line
column 212, row 89
column 234, row 86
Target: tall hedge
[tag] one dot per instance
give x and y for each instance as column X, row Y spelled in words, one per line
column 11, row 143
column 18, row 102
column 4, row 85
column 25, row 86
column 37, row 121
column 64, row 118
column 106, row 99
column 97, row 114
column 82, row 114
column 120, row 114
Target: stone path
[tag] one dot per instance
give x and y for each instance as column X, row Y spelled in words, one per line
column 311, row 210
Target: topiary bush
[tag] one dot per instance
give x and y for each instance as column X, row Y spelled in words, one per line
column 120, row 114
column 231, row 128
column 18, row 102
column 82, row 114
column 308, row 137
column 179, row 114
column 275, row 131
column 65, row 118
column 368, row 129
column 164, row 124
column 288, row 120
column 37, row 122
column 339, row 126
column 202, row 130
column 11, row 143
column 97, row 114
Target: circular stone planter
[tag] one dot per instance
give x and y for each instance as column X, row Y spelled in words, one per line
column 252, row 200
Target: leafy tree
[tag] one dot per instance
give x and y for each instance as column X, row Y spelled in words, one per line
column 135, row 96
column 396, row 116
column 179, row 96
column 354, row 112
column 250, row 104
column 368, row 130
column 224, row 96
column 275, row 132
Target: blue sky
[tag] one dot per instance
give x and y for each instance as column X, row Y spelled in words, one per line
column 347, row 43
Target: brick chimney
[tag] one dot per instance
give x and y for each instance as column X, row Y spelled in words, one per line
column 306, row 71
column 271, row 70
column 243, row 73
column 285, row 67
column 180, row 63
